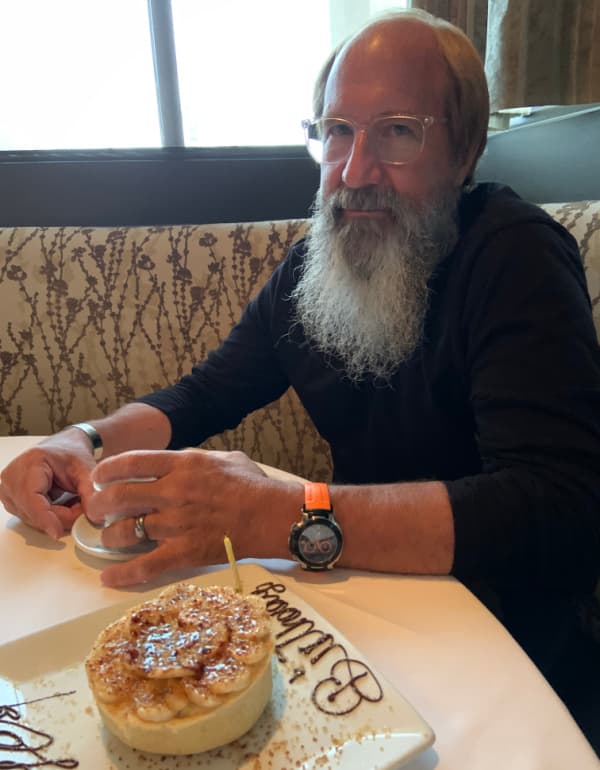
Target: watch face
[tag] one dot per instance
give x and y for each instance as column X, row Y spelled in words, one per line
column 318, row 543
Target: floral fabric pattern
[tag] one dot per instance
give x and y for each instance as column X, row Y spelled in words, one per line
column 92, row 317
column 582, row 220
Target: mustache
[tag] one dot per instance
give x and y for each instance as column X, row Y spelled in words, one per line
column 363, row 199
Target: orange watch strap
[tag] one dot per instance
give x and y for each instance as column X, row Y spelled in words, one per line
column 316, row 497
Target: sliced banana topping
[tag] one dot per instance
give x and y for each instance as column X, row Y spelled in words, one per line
column 111, row 677
column 174, row 645
column 250, row 621
column 227, row 676
column 184, row 651
column 200, row 695
column 248, row 651
column 158, row 701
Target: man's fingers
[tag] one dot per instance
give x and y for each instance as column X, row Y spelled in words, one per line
column 158, row 526
column 34, row 484
column 68, row 514
column 7, row 501
column 39, row 514
column 42, row 514
column 170, row 555
column 36, row 512
column 121, row 534
column 138, row 464
column 123, row 499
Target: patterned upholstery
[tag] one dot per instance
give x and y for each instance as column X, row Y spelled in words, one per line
column 91, row 317
column 582, row 219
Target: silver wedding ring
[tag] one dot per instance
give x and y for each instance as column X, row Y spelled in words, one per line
column 139, row 528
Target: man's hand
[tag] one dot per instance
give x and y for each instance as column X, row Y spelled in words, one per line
column 29, row 484
column 196, row 498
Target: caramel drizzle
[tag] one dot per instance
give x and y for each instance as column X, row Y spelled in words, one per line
column 11, row 741
column 347, row 676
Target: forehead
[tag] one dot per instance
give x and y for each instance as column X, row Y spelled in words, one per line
column 391, row 67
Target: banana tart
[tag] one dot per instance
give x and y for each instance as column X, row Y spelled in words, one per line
column 185, row 672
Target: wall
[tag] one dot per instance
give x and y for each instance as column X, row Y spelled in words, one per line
column 549, row 160
column 145, row 187
column 557, row 159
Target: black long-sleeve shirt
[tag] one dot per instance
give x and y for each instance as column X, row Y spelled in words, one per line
column 501, row 402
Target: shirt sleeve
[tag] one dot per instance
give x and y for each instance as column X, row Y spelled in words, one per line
column 243, row 374
column 532, row 360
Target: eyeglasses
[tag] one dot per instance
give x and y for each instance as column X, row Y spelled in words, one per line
column 394, row 139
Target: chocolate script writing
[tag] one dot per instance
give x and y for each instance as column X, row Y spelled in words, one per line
column 17, row 738
column 349, row 683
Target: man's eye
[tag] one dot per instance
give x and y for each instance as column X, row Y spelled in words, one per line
column 336, row 130
column 399, row 129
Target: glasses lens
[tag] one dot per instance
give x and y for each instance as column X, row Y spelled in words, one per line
column 329, row 140
column 397, row 139
column 313, row 140
column 393, row 139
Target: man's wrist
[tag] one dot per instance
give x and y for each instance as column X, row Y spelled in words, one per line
column 94, row 438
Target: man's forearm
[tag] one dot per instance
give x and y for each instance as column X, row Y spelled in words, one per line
column 404, row 528
column 134, row 426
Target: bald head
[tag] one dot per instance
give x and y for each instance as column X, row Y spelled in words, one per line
column 391, row 45
column 422, row 52
column 399, row 62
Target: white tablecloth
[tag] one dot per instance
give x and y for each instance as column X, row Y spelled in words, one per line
column 488, row 705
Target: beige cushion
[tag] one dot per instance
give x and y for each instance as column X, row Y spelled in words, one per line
column 92, row 317
column 582, row 219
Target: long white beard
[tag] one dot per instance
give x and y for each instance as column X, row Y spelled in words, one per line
column 363, row 293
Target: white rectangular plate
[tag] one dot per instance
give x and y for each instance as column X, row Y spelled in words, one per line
column 300, row 728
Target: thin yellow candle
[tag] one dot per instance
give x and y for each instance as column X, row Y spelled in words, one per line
column 236, row 575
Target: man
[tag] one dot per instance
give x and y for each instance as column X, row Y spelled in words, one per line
column 439, row 336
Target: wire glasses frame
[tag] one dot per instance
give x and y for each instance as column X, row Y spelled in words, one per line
column 395, row 139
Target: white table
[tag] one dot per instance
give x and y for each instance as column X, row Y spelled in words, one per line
column 489, row 706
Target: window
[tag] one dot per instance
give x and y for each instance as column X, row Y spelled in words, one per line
column 260, row 74
column 82, row 71
column 76, row 74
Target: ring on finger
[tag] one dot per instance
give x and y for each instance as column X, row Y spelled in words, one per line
column 139, row 528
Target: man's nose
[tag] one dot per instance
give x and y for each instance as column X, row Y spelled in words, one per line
column 362, row 167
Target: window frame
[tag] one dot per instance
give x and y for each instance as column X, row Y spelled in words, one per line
column 155, row 186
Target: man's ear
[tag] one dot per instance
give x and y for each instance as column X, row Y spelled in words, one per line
column 464, row 170
column 466, row 167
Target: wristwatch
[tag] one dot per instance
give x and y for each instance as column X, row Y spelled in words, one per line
column 316, row 540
